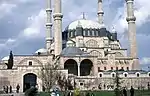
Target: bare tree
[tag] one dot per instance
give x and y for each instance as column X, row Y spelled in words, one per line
column 51, row 74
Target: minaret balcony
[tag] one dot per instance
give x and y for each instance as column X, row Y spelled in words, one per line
column 131, row 18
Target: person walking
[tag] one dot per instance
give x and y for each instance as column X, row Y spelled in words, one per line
column 4, row 89
column 17, row 87
column 124, row 92
column 92, row 94
column 7, row 89
column 70, row 93
column 132, row 91
column 10, row 89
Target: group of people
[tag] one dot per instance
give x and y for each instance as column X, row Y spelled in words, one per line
column 8, row 89
column 124, row 91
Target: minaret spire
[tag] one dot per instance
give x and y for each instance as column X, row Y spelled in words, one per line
column 57, row 27
column 48, row 25
column 83, row 15
column 132, row 31
column 100, row 12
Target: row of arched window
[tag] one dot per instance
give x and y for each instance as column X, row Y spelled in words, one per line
column 87, row 32
column 116, row 62
column 124, row 74
column 112, row 68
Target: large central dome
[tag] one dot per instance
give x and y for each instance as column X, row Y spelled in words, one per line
column 85, row 24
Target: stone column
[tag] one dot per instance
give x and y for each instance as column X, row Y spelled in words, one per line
column 48, row 24
column 57, row 27
column 132, row 32
column 78, row 68
column 100, row 12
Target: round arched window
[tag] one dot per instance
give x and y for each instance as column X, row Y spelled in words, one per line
column 125, row 75
column 137, row 74
column 100, row 75
column 113, row 75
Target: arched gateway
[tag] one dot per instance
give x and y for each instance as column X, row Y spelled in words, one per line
column 29, row 80
column 72, row 66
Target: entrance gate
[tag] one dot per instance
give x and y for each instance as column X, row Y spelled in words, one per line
column 29, row 80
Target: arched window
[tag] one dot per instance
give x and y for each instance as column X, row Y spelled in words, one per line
column 116, row 68
column 137, row 74
column 96, row 53
column 127, row 68
column 100, row 75
column 91, row 43
column 125, row 75
column 111, row 68
column 113, row 75
column 30, row 63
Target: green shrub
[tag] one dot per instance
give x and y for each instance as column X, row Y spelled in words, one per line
column 31, row 92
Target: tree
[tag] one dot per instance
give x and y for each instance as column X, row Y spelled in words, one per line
column 117, row 82
column 51, row 75
column 10, row 61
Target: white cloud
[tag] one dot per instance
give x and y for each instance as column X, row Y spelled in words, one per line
column 6, row 44
column 145, row 60
column 6, row 8
column 142, row 14
column 35, row 26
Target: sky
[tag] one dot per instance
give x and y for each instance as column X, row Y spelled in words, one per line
column 22, row 23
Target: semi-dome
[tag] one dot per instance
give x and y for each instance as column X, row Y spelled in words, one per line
column 85, row 24
column 42, row 50
column 71, row 51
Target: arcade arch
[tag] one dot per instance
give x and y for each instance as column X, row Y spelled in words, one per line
column 29, row 80
column 72, row 66
column 86, row 67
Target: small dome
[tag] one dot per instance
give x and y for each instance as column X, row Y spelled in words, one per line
column 5, row 58
column 85, row 24
column 71, row 51
column 42, row 50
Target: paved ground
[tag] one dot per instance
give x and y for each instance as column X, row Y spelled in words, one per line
column 13, row 94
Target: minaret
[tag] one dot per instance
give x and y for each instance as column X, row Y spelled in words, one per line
column 48, row 25
column 131, row 28
column 57, row 27
column 100, row 12
column 132, row 33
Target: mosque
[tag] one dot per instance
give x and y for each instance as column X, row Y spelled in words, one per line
column 86, row 50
